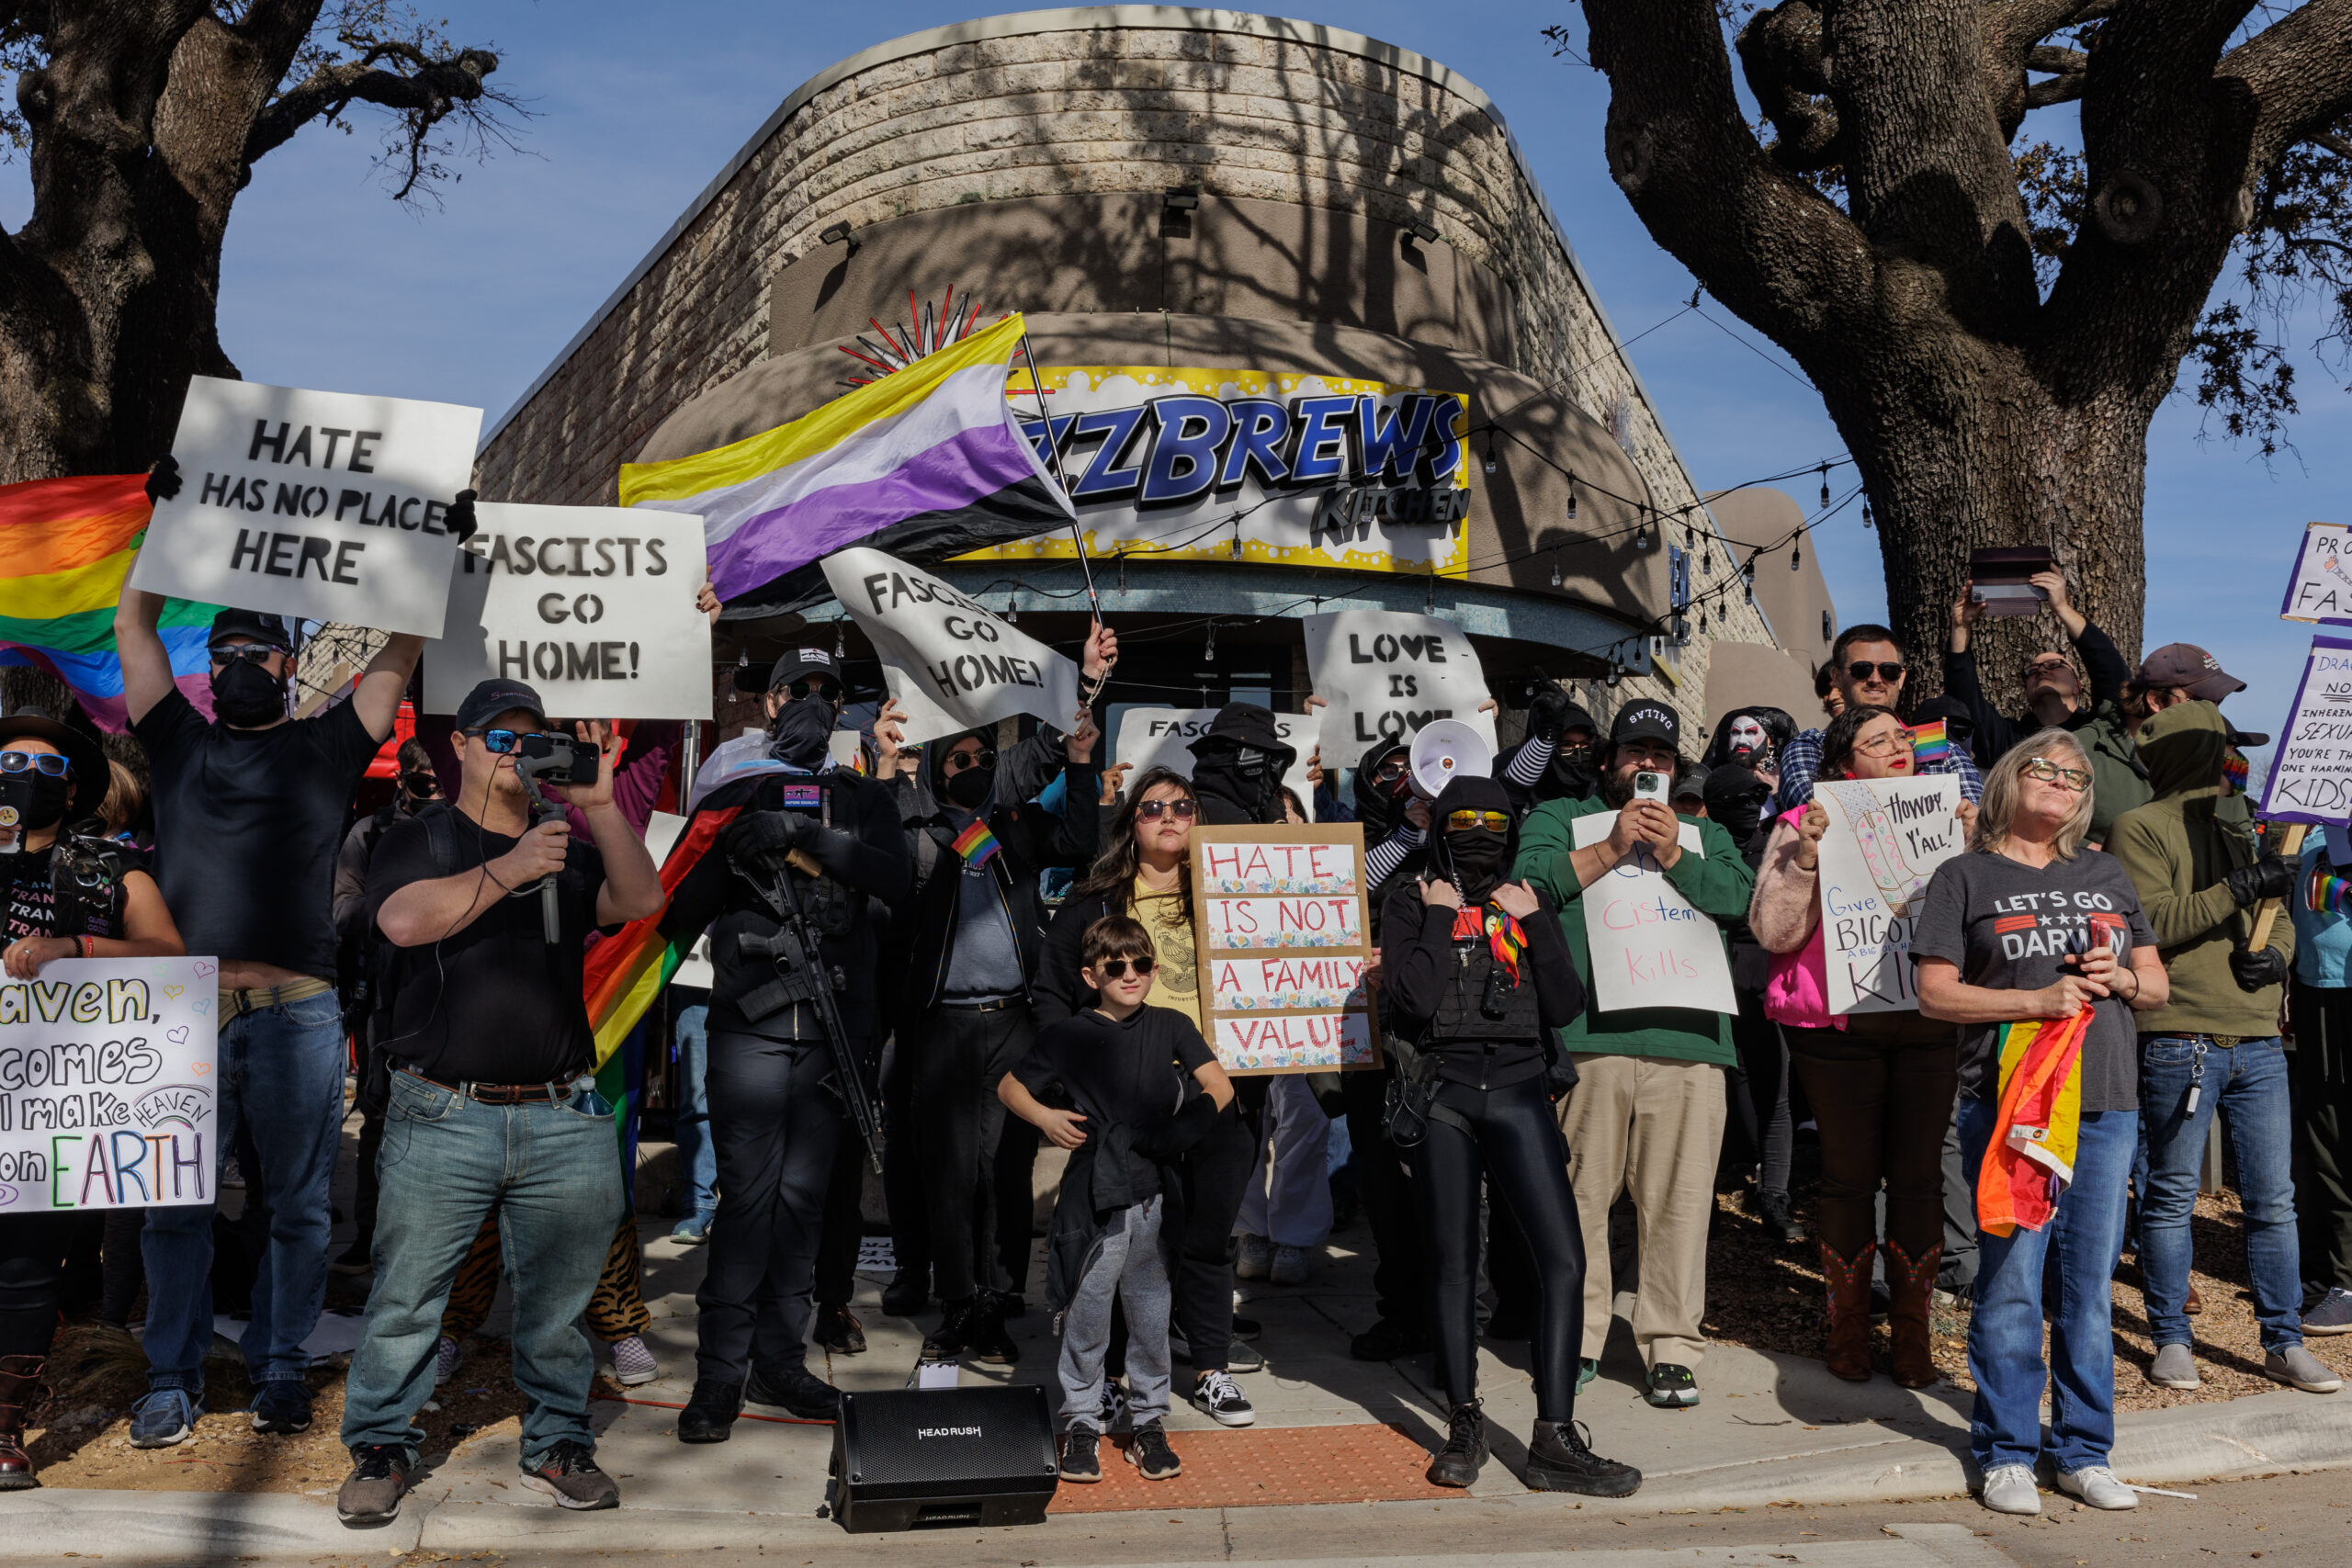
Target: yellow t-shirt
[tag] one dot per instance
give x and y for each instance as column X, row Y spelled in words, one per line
column 1176, row 982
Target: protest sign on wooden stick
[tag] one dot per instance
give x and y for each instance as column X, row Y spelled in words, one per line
column 2310, row 777
column 1282, row 934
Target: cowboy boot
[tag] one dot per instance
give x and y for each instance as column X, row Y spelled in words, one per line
column 19, row 1390
column 1912, row 1284
column 1849, row 1283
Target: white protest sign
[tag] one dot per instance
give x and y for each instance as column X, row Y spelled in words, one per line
column 1159, row 738
column 950, row 666
column 324, row 506
column 1279, row 934
column 1651, row 947
column 2321, row 586
column 592, row 605
column 107, row 1085
column 1386, row 674
column 1886, row 837
column 2311, row 779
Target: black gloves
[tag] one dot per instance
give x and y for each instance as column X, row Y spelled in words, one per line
column 164, row 480
column 763, row 838
column 1546, row 712
column 459, row 520
column 2270, row 878
column 2254, row 970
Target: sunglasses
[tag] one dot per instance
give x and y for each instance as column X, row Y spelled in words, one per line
column 1153, row 810
column 2048, row 772
column 251, row 652
column 809, row 685
column 956, row 761
column 500, row 742
column 1861, row 671
column 1496, row 822
column 1390, row 771
column 46, row 763
column 1116, row 968
column 420, row 783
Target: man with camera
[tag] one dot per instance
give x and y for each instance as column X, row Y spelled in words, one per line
column 249, row 813
column 800, row 853
column 488, row 905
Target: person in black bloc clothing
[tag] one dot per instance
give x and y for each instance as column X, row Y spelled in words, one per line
column 1476, row 973
column 774, row 1096
column 492, row 1104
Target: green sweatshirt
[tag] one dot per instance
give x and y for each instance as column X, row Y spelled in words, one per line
column 2178, row 848
column 1717, row 883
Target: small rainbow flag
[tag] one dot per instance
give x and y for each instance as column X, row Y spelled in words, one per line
column 65, row 547
column 1929, row 743
column 625, row 972
column 976, row 844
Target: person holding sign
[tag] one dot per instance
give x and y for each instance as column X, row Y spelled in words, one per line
column 1647, row 1114
column 50, row 776
column 1880, row 1083
column 1478, row 977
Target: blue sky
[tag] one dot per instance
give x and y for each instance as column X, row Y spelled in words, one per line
column 327, row 284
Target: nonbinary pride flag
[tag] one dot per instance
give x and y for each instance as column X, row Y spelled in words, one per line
column 927, row 463
column 65, row 547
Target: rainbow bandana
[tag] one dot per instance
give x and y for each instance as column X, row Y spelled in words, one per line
column 2235, row 770
column 976, row 844
column 1506, row 938
column 2326, row 893
column 1929, row 743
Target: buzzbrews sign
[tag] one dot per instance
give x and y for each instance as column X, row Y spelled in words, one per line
column 1281, row 931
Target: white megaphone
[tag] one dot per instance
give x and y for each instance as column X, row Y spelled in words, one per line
column 1445, row 749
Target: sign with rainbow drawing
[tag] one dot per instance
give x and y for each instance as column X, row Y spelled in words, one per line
column 1886, row 837
column 1282, row 936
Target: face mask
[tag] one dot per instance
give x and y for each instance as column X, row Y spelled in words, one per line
column 29, row 802
column 970, row 787
column 801, row 729
column 1480, row 858
column 1571, row 776
column 247, row 695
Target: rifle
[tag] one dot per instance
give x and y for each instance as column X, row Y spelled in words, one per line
column 803, row 976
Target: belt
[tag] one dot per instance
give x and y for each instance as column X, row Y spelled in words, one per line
column 2222, row 1042
column 497, row 1093
column 999, row 1005
column 236, row 1004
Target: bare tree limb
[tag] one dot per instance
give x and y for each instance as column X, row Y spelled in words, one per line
column 2298, row 71
column 429, row 90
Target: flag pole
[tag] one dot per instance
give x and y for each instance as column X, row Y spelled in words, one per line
column 1076, row 540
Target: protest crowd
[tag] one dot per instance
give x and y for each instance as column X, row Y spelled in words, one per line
column 951, row 953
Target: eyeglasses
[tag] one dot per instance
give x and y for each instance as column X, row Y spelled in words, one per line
column 46, row 763
column 2046, row 666
column 1153, row 810
column 1390, row 771
column 1116, row 968
column 2048, row 772
column 1885, row 745
column 251, row 652
column 1496, row 822
column 1889, row 672
column 956, row 761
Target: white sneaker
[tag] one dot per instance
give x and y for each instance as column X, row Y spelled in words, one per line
column 1254, row 1259
column 2010, row 1489
column 2297, row 1368
column 444, row 1360
column 633, row 1362
column 2175, row 1366
column 2096, row 1485
column 1291, row 1264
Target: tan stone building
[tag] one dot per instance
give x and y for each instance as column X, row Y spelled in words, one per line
column 1224, row 228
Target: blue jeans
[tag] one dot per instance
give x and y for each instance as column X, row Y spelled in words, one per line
column 2250, row 1080
column 548, row 1168
column 2004, row 1332
column 696, row 1154
column 280, row 1073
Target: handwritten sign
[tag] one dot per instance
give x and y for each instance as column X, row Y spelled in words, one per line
column 2310, row 781
column 319, row 505
column 1159, row 738
column 592, row 605
column 1386, row 674
column 106, row 1087
column 1651, row 946
column 1886, row 837
column 2321, row 587
column 1282, row 936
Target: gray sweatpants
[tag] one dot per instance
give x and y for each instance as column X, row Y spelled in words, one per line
column 1126, row 1265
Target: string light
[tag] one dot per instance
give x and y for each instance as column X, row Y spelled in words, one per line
column 1011, row 610
column 1642, row 533
column 1556, row 571
column 1824, row 484
column 1616, row 673
column 841, row 641
column 1208, row 651
column 1868, row 521
column 1796, row 555
column 1490, row 451
column 1572, row 496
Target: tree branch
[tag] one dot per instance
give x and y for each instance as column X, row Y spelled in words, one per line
column 2298, row 71
column 430, row 91
column 1780, row 53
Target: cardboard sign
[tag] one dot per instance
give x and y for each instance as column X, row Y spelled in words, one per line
column 1886, row 838
column 107, row 1085
column 1281, row 934
column 1651, row 947
column 322, row 506
column 2320, row 589
column 1158, row 738
column 950, row 664
column 1386, row 674
column 2311, row 779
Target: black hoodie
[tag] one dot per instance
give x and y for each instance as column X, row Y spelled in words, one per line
column 1228, row 795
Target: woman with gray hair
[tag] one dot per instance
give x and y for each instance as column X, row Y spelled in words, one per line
column 2038, row 949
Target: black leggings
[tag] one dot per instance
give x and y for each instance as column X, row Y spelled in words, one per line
column 32, row 1253
column 1517, row 1147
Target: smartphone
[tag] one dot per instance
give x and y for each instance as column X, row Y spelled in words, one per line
column 556, row 759
column 1651, row 786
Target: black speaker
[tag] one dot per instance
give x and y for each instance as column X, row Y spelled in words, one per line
column 913, row 1459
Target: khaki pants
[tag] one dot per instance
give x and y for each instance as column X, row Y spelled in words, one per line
column 1650, row 1126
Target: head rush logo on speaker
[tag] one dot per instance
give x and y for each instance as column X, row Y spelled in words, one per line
column 922, row 1432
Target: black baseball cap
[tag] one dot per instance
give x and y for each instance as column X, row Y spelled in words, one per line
column 802, row 661
column 1692, row 785
column 490, row 698
column 268, row 629
column 1645, row 718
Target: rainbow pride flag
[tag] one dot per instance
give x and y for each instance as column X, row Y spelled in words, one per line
column 1929, row 743
column 925, row 463
column 2029, row 1161
column 976, row 844
column 65, row 547
column 623, row 973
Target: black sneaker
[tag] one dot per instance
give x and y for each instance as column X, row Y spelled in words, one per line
column 799, row 1391
column 1671, row 1387
column 1388, row 1340
column 985, row 1338
column 568, row 1475
column 1781, row 1221
column 710, row 1411
column 1216, row 1395
column 959, row 1323
column 908, row 1292
column 1149, row 1453
column 838, row 1331
column 282, row 1408
column 1083, row 1455
column 1458, row 1463
column 1560, row 1459
column 371, row 1493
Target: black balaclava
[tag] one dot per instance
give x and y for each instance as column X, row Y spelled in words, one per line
column 801, row 729
column 247, row 695
column 1238, row 767
column 1478, row 860
column 1379, row 806
column 1570, row 775
column 1736, row 796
